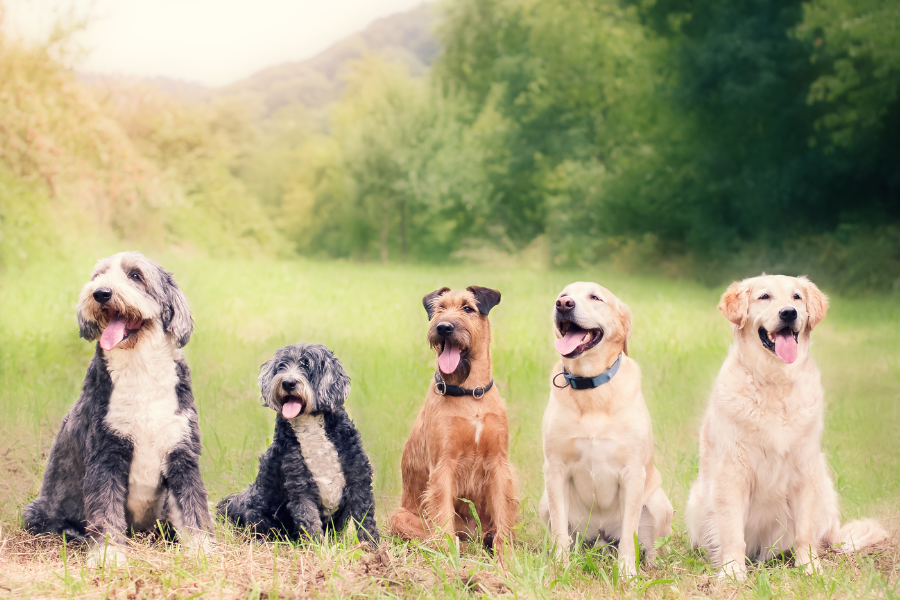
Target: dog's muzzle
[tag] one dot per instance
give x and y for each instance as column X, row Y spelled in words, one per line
column 575, row 340
column 783, row 343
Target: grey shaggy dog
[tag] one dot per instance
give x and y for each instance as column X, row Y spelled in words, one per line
column 127, row 456
column 315, row 477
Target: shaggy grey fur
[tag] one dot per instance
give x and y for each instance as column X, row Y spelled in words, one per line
column 285, row 499
column 85, row 484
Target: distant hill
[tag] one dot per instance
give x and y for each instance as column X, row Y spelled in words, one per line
column 407, row 38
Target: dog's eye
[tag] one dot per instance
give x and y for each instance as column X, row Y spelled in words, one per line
column 135, row 276
column 797, row 297
column 468, row 309
column 764, row 297
column 598, row 299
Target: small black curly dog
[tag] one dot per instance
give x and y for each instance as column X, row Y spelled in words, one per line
column 315, row 476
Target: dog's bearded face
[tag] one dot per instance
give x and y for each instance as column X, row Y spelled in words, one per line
column 459, row 327
column 586, row 317
column 127, row 296
column 775, row 314
column 303, row 379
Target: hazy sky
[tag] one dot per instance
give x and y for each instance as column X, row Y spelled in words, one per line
column 214, row 42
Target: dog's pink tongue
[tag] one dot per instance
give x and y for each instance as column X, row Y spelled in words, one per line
column 113, row 334
column 291, row 409
column 786, row 346
column 566, row 345
column 449, row 359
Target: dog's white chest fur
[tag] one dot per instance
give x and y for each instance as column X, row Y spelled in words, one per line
column 143, row 408
column 595, row 476
column 322, row 459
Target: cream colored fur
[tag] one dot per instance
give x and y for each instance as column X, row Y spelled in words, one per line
column 599, row 478
column 143, row 408
column 764, row 484
column 322, row 459
column 113, row 276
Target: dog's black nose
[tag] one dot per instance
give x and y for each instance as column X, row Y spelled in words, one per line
column 102, row 295
column 444, row 329
column 788, row 314
column 564, row 303
column 288, row 385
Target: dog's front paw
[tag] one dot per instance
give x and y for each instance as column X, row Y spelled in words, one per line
column 561, row 549
column 201, row 542
column 109, row 555
column 627, row 567
column 810, row 567
column 736, row 570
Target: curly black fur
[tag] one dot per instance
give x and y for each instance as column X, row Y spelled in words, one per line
column 284, row 501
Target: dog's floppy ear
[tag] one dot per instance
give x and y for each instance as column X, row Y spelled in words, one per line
column 735, row 303
column 176, row 313
column 87, row 328
column 816, row 302
column 625, row 323
column 330, row 382
column 485, row 298
column 265, row 382
column 428, row 301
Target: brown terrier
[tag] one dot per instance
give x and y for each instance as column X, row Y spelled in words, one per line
column 459, row 446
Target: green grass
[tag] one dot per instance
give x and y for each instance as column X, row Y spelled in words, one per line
column 372, row 317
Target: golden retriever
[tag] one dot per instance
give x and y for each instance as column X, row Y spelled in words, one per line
column 600, row 482
column 764, row 486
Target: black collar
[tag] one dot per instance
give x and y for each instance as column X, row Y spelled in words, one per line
column 442, row 388
column 587, row 383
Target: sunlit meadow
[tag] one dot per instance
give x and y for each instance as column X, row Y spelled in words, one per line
column 372, row 317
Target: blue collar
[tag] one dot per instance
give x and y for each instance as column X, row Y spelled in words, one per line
column 587, row 383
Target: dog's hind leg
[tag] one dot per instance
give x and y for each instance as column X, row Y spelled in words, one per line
column 38, row 520
column 59, row 508
column 407, row 525
column 407, row 522
column 656, row 522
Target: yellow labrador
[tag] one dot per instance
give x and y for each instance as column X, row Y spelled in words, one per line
column 600, row 483
column 764, row 485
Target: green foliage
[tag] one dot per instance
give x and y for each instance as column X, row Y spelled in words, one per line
column 399, row 176
column 700, row 139
column 700, row 132
column 860, row 40
column 569, row 79
column 122, row 162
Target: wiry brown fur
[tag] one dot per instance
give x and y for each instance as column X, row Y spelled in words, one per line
column 458, row 447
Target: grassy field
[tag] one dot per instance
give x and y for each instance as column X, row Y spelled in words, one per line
column 372, row 317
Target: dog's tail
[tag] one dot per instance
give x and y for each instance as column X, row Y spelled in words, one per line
column 858, row 535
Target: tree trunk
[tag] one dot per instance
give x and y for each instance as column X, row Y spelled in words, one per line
column 384, row 232
column 403, row 247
